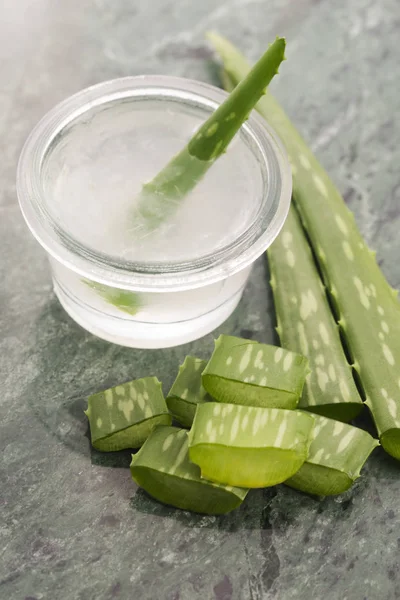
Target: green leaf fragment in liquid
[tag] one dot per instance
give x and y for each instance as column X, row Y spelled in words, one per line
column 128, row 302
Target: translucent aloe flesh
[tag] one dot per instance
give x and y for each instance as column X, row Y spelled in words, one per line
column 162, row 468
column 161, row 197
column 366, row 306
column 305, row 324
column 337, row 454
column 187, row 391
column 124, row 416
column 246, row 372
column 247, row 446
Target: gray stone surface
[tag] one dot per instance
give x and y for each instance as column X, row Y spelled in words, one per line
column 73, row 525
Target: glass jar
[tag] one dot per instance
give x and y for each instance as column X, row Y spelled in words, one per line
column 79, row 174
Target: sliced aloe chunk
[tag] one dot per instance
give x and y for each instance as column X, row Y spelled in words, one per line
column 246, row 372
column 124, row 416
column 187, row 391
column 337, row 454
column 249, row 447
column 162, row 468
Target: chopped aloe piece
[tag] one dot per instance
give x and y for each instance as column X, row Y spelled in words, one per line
column 366, row 306
column 248, row 446
column 246, row 372
column 305, row 324
column 128, row 302
column 161, row 197
column 162, row 468
column 187, row 391
column 124, row 416
column 337, row 454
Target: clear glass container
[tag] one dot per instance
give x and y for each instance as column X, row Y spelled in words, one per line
column 79, row 174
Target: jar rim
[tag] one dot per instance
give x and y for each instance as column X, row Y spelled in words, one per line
column 141, row 276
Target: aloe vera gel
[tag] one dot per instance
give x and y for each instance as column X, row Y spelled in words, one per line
column 180, row 277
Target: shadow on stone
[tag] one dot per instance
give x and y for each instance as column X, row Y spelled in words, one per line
column 247, row 516
column 364, row 421
column 115, row 460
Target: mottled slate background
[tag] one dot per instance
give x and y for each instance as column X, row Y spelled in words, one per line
column 73, row 525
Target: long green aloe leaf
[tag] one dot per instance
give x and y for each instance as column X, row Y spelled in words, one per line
column 366, row 306
column 305, row 324
column 125, row 415
column 248, row 446
column 162, row 468
column 160, row 197
column 337, row 454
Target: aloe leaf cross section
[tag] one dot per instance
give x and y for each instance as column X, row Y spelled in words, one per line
column 162, row 468
column 249, row 446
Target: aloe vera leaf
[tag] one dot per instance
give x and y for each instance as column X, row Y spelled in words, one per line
column 247, row 446
column 124, row 416
column 246, row 372
column 161, row 197
column 162, row 468
column 365, row 304
column 305, row 324
column 187, row 391
column 337, row 454
column 126, row 301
